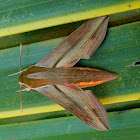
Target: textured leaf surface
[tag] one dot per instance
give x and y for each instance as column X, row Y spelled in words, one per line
column 120, row 48
column 22, row 16
column 124, row 124
column 64, row 30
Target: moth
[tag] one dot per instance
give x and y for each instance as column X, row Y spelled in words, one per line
column 55, row 77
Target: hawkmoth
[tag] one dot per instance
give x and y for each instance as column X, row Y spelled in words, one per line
column 55, row 77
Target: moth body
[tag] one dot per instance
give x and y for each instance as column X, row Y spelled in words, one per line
column 35, row 76
column 65, row 81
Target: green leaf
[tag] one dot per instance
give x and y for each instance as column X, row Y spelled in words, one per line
column 22, row 16
column 124, row 125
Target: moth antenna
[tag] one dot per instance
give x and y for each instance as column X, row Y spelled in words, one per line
column 20, row 73
column 20, row 58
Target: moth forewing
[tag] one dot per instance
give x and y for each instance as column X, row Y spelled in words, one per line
column 76, row 44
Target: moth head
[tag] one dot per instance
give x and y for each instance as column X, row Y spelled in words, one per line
column 22, row 79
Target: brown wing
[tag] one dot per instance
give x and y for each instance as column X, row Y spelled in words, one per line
column 82, row 43
column 83, row 104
